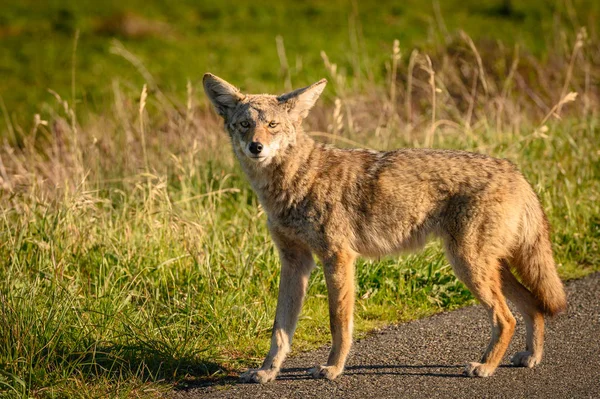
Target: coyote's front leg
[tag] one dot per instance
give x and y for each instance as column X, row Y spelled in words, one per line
column 296, row 264
column 339, row 276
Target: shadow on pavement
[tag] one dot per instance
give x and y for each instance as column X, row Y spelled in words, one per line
column 402, row 369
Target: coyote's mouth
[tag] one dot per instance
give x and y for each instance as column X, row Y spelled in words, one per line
column 257, row 157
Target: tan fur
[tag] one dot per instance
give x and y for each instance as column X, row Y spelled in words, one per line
column 339, row 204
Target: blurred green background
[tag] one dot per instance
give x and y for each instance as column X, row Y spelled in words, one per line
column 180, row 40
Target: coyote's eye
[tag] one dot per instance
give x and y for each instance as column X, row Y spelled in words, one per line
column 244, row 124
column 273, row 124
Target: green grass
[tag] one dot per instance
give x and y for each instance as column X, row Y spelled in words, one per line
column 181, row 40
column 126, row 270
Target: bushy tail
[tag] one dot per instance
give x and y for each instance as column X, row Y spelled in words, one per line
column 534, row 262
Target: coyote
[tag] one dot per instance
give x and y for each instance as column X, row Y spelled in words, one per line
column 341, row 203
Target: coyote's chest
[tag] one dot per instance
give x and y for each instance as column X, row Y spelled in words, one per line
column 307, row 222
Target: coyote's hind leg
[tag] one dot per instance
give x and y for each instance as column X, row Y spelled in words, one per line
column 527, row 305
column 482, row 277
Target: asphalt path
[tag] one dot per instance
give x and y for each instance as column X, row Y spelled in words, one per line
column 425, row 358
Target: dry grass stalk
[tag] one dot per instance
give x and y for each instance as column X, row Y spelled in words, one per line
column 579, row 42
column 283, row 62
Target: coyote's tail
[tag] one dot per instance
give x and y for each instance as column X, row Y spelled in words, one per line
column 534, row 262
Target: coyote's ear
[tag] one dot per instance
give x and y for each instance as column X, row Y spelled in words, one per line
column 221, row 94
column 299, row 102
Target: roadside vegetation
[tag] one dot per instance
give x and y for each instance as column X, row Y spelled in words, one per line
column 134, row 256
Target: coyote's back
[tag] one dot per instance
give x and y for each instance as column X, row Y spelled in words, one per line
column 339, row 204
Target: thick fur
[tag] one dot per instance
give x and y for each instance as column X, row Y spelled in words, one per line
column 339, row 204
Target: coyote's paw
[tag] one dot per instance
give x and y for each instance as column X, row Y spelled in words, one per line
column 262, row 376
column 329, row 372
column 475, row 369
column 525, row 359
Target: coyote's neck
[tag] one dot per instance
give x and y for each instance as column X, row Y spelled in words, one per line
column 289, row 177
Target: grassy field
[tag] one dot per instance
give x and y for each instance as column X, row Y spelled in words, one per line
column 134, row 256
column 177, row 41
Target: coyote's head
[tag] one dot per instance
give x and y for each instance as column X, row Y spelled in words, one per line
column 261, row 126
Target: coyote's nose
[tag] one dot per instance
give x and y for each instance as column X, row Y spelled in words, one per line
column 256, row 147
